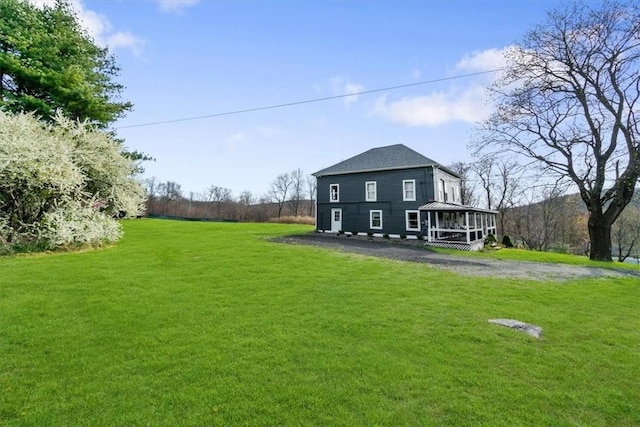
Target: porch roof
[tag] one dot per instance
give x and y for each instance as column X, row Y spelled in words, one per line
column 452, row 207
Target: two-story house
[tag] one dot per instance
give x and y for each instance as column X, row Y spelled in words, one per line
column 397, row 191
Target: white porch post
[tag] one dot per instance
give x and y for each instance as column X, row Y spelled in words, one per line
column 429, row 237
column 475, row 223
column 437, row 236
column 466, row 221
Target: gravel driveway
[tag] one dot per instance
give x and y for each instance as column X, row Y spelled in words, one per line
column 414, row 251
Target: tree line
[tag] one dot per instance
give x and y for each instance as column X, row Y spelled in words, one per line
column 539, row 213
column 291, row 197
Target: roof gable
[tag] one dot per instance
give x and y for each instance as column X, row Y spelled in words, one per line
column 396, row 156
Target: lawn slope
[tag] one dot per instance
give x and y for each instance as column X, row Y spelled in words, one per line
column 212, row 324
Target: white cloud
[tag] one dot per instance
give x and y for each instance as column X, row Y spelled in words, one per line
column 176, row 6
column 125, row 40
column 436, row 109
column 352, row 88
column 339, row 87
column 486, row 60
column 467, row 104
column 99, row 27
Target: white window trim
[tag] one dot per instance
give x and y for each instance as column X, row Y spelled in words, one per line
column 371, row 220
column 375, row 191
column 404, row 193
column 406, row 218
column 337, row 193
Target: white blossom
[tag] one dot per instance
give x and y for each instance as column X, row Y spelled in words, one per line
column 62, row 183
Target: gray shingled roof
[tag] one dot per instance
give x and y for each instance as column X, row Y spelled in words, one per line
column 396, row 156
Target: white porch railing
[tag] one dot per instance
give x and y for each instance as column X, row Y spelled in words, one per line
column 474, row 227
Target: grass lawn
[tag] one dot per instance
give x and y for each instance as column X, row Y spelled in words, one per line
column 537, row 256
column 188, row 323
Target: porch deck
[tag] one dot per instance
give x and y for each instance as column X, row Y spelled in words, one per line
column 457, row 226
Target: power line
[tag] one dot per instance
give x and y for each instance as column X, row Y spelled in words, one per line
column 308, row 101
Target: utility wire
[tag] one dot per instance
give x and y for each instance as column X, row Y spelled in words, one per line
column 308, row 101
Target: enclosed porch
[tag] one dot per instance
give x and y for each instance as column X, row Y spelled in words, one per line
column 457, row 226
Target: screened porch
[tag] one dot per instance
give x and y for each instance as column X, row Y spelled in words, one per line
column 457, row 226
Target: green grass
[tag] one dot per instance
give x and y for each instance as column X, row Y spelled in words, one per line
column 537, row 256
column 212, row 324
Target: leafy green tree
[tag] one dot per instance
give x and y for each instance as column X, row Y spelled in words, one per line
column 62, row 183
column 48, row 63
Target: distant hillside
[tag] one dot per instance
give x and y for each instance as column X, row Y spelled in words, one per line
column 574, row 198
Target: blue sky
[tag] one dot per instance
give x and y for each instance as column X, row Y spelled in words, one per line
column 190, row 58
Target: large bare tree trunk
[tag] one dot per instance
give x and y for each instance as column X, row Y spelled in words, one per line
column 600, row 236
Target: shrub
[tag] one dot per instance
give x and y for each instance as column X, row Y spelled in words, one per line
column 370, row 233
column 490, row 239
column 506, row 241
column 403, row 236
column 385, row 236
column 62, row 184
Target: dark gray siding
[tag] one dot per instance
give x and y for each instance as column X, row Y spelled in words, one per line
column 355, row 210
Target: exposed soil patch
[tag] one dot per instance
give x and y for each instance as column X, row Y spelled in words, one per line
column 415, row 251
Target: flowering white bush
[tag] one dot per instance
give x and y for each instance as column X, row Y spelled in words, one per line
column 62, row 183
column 77, row 224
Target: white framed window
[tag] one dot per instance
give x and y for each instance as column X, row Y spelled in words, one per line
column 441, row 191
column 375, row 220
column 409, row 190
column 334, row 193
column 412, row 220
column 454, row 194
column 371, row 193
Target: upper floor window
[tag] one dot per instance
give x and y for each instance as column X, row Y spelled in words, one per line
column 409, row 190
column 334, row 193
column 371, row 194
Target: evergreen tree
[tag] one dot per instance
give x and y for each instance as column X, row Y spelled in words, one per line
column 48, row 63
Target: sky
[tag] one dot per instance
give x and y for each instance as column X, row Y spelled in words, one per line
column 185, row 59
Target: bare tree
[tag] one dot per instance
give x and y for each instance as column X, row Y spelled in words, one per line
column 217, row 198
column 279, row 190
column 569, row 100
column 541, row 216
column 245, row 200
column 169, row 192
column 151, row 187
column 297, row 190
column 218, row 194
column 626, row 232
column 312, row 186
column 483, row 169
column 500, row 180
column 467, row 187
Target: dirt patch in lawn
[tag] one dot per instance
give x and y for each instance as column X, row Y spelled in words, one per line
column 415, row 251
